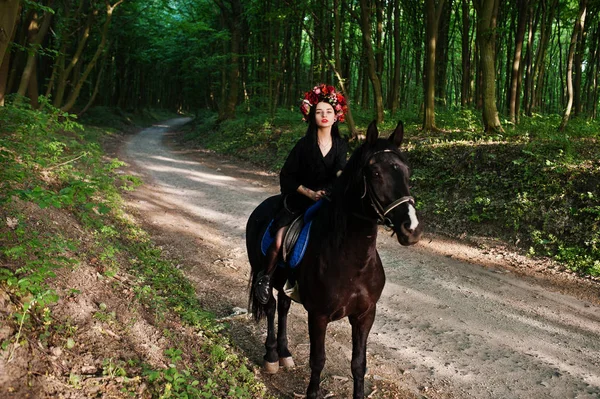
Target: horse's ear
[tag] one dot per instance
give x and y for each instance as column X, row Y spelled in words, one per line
column 398, row 135
column 372, row 133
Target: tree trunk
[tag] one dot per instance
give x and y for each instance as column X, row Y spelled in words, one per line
column 590, row 70
column 338, row 67
column 593, row 76
column 77, row 87
column 9, row 12
column 37, row 34
column 539, row 71
column 433, row 12
column 465, row 85
column 379, row 52
column 4, row 69
column 365, row 13
column 63, row 77
column 529, row 63
column 577, row 29
column 487, row 11
column 33, row 91
column 396, row 77
column 8, row 27
column 513, row 94
column 232, row 15
column 395, row 91
column 96, row 88
column 578, row 71
column 441, row 56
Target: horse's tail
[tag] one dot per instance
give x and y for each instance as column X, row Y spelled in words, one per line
column 255, row 228
column 254, row 306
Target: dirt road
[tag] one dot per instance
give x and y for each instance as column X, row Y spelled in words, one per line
column 454, row 321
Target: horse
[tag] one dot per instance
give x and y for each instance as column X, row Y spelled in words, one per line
column 341, row 274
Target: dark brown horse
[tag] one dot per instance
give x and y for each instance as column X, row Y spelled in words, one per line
column 341, row 274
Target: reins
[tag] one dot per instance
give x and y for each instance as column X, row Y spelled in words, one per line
column 380, row 210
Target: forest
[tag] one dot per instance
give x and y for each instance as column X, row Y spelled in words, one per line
column 501, row 97
column 499, row 100
column 506, row 59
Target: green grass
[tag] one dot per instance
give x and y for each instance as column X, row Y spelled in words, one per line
column 531, row 186
column 50, row 161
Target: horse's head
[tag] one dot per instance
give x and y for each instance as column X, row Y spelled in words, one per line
column 386, row 184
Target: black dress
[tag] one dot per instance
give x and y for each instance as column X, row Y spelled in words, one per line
column 306, row 166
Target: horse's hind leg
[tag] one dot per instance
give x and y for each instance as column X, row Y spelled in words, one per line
column 283, row 307
column 271, row 358
column 361, row 326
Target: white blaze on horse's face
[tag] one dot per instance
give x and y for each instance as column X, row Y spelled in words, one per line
column 412, row 214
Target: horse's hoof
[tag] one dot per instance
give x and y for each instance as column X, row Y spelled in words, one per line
column 287, row 362
column 271, row 368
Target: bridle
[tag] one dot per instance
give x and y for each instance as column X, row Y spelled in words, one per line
column 381, row 210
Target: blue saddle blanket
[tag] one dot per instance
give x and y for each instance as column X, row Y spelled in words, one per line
column 299, row 249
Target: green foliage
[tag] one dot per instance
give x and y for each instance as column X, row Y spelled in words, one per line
column 531, row 185
column 157, row 277
column 48, row 162
column 534, row 187
column 222, row 375
column 260, row 138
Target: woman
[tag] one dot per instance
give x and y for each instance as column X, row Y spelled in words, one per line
column 309, row 171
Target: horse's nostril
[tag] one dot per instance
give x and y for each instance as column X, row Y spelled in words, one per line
column 407, row 229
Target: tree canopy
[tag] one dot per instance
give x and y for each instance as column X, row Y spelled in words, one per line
column 506, row 58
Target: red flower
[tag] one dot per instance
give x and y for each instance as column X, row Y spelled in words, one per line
column 312, row 97
column 328, row 94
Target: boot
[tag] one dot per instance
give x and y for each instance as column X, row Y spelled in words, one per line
column 262, row 288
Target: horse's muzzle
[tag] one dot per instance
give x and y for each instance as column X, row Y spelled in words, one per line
column 407, row 236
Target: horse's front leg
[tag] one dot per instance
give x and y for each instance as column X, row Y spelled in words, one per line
column 361, row 326
column 317, row 327
column 283, row 307
column 271, row 358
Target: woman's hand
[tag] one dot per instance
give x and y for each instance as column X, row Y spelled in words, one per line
column 319, row 194
column 313, row 195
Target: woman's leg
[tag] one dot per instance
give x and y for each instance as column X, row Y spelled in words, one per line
column 263, row 287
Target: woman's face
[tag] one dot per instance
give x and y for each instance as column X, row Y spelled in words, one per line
column 325, row 115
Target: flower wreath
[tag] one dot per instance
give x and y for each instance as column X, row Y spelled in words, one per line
column 324, row 93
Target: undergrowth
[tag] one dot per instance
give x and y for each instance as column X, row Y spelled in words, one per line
column 531, row 186
column 49, row 161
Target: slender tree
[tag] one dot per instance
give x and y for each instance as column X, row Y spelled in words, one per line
column 9, row 12
column 110, row 8
column 528, row 91
column 433, row 11
column 465, row 97
column 517, row 64
column 539, row 67
column 365, row 25
column 575, row 36
column 38, row 28
column 397, row 76
column 487, row 12
column 232, row 12
column 442, row 49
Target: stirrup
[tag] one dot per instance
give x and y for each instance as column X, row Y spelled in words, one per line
column 262, row 288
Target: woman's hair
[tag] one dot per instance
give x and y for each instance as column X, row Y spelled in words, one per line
column 312, row 124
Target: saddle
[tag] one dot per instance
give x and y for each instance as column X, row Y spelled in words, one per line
column 296, row 237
